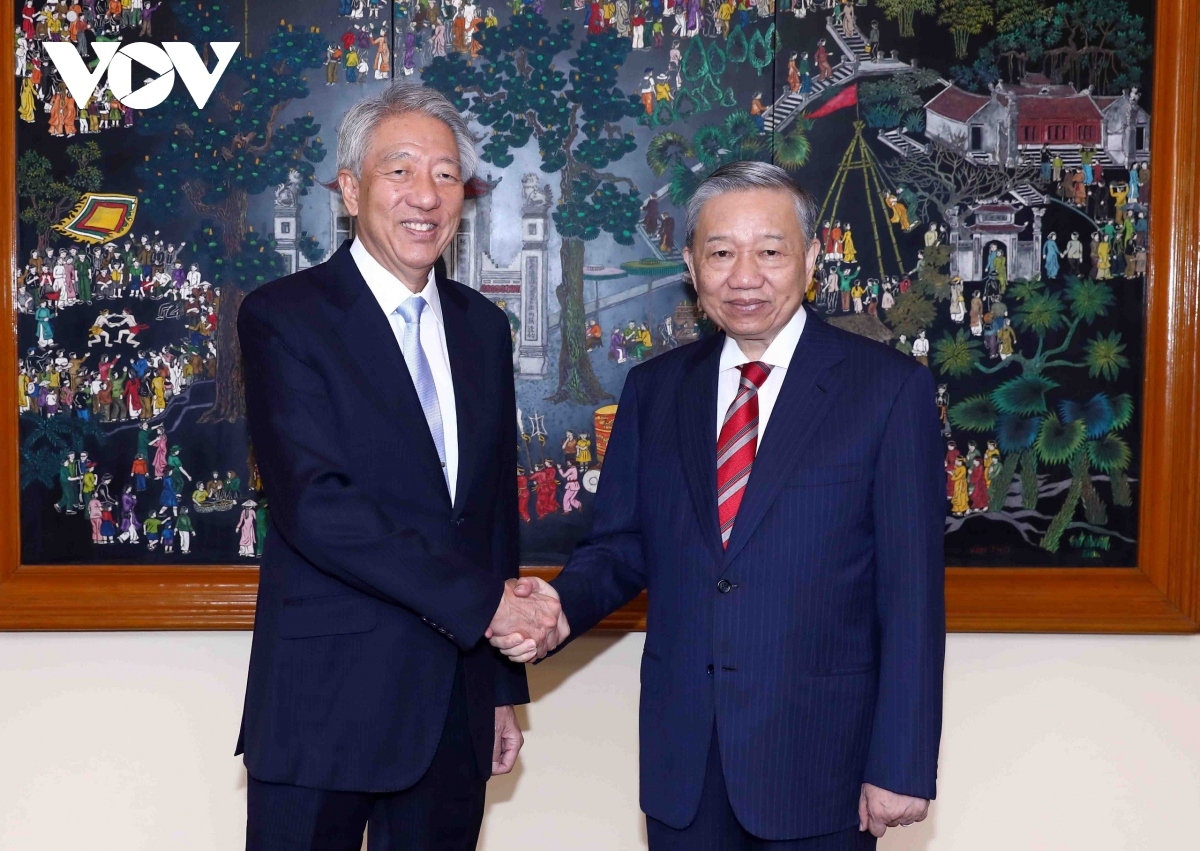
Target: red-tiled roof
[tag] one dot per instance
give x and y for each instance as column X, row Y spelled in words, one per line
column 1051, row 108
column 956, row 104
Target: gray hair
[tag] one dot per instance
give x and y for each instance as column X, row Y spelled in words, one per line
column 354, row 136
column 745, row 175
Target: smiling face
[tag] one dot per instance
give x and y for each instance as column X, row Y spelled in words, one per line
column 751, row 264
column 409, row 197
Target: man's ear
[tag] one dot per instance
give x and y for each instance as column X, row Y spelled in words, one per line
column 348, row 184
column 810, row 258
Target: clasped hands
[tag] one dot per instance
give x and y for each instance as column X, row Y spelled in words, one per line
column 529, row 623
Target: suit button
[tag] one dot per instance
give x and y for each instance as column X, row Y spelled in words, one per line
column 724, row 586
column 709, row 669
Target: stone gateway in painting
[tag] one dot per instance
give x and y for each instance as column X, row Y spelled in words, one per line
column 984, row 176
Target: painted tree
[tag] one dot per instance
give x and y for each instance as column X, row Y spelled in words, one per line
column 942, row 178
column 1035, row 431
column 46, row 198
column 904, row 11
column 1097, row 43
column 1101, row 44
column 897, row 100
column 514, row 88
column 965, row 18
column 704, row 68
column 1024, row 31
column 916, row 309
column 714, row 145
column 211, row 161
column 46, row 442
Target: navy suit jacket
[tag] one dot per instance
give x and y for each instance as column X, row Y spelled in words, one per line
column 373, row 585
column 815, row 642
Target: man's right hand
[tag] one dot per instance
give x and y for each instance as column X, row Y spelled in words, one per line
column 529, row 622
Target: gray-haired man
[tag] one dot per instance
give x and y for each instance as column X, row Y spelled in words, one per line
column 792, row 676
column 380, row 402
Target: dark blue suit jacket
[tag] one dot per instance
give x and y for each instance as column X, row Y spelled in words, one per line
column 373, row 584
column 815, row 642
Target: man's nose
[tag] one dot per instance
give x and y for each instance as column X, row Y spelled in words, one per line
column 745, row 274
column 422, row 192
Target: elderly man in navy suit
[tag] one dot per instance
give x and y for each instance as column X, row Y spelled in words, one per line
column 792, row 672
column 379, row 397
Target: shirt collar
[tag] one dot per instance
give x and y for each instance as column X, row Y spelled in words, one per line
column 778, row 354
column 389, row 290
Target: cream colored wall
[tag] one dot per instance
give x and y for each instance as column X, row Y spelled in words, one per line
column 124, row 742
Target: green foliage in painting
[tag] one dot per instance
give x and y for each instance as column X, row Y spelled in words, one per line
column 904, row 11
column 1099, row 44
column 911, row 313
column 1058, row 441
column 46, row 198
column 47, row 441
column 1105, row 356
column 212, row 160
column 965, row 18
column 976, row 413
column 956, row 355
column 1089, row 299
column 516, row 89
column 1023, row 395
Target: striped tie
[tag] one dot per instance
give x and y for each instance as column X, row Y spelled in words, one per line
column 736, row 445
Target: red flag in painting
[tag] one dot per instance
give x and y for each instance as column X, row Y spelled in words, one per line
column 846, row 97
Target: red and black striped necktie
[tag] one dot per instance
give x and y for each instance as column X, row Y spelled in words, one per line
column 737, row 444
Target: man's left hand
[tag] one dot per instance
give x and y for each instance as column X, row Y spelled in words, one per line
column 508, row 740
column 879, row 809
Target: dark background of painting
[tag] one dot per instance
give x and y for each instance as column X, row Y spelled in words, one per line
column 48, row 537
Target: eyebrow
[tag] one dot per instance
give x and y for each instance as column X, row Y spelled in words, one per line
column 720, row 236
column 408, row 155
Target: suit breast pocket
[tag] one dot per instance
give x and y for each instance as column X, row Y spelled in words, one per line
column 827, row 474
column 341, row 614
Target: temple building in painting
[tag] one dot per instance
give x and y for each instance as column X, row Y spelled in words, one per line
column 1013, row 123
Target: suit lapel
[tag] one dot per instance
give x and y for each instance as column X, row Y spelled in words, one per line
column 368, row 336
column 697, row 420
column 804, row 399
column 466, row 360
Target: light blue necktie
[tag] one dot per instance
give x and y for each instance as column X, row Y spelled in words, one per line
column 418, row 366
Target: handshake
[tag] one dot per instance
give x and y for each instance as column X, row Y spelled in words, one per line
column 529, row 622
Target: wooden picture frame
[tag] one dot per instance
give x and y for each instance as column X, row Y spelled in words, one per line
column 1160, row 594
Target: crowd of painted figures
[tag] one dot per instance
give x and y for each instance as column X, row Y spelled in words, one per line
column 80, row 23
column 969, row 474
column 426, row 29
column 634, row 342
column 90, row 361
column 1116, row 200
column 540, row 477
column 363, row 51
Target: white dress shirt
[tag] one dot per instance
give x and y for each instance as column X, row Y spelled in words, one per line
column 390, row 292
column 778, row 355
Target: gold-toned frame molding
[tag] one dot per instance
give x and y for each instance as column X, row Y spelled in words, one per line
column 1161, row 594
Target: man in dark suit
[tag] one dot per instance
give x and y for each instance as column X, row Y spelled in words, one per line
column 778, row 490
column 380, row 402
